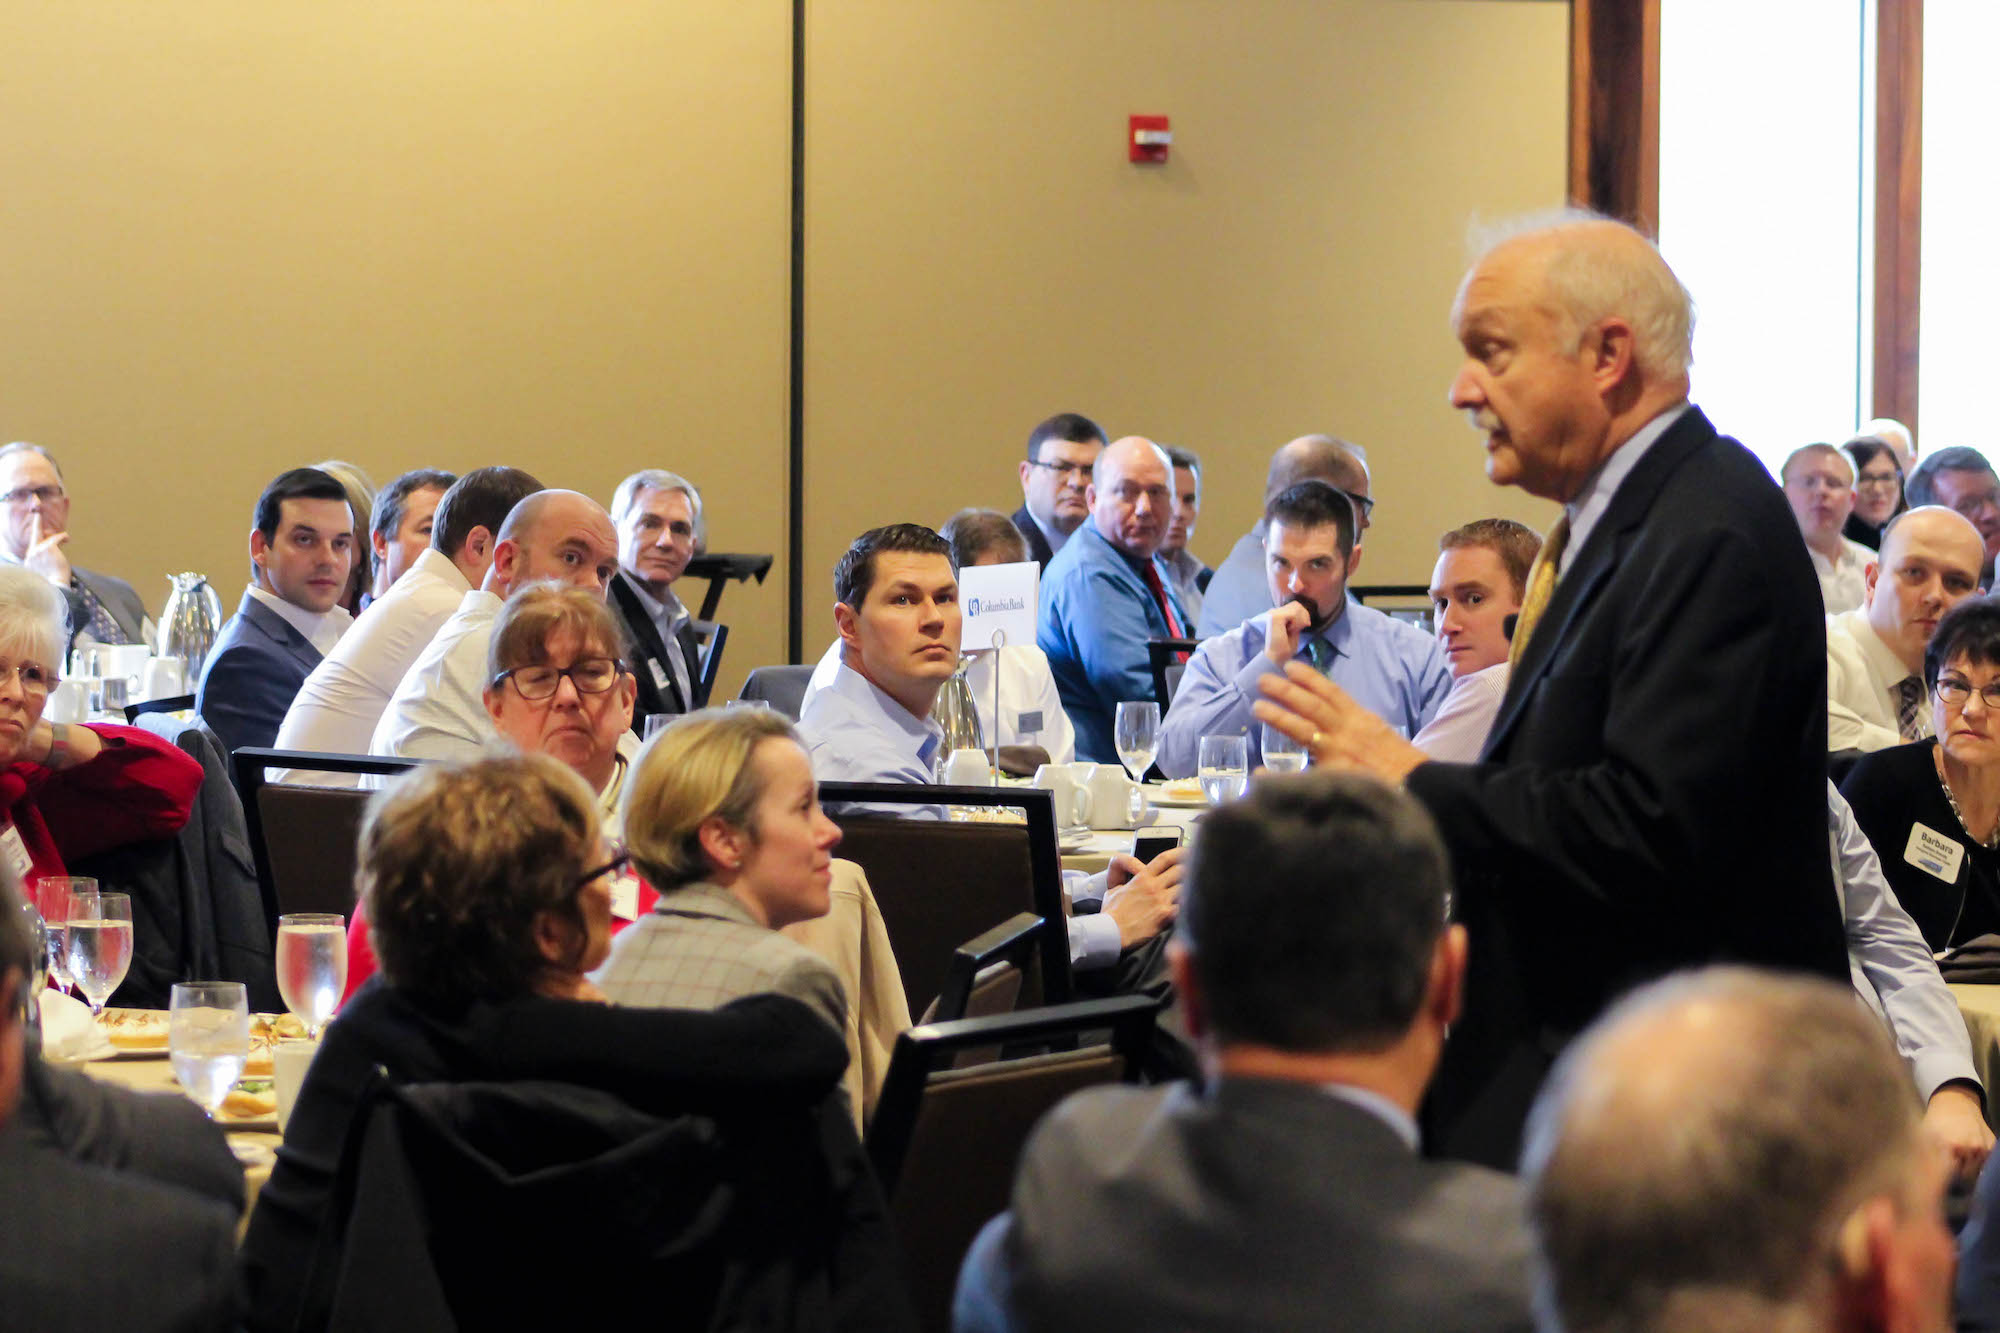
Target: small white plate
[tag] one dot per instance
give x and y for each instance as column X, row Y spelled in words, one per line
column 1176, row 798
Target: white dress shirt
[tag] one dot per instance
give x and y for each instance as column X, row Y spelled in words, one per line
column 1458, row 731
column 668, row 614
column 322, row 630
column 1841, row 582
column 438, row 711
column 343, row 699
column 1026, row 689
column 1861, row 677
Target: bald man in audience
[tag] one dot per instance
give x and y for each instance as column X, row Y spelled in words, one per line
column 1653, row 793
column 439, row 709
column 1736, row 1152
column 1239, row 588
column 342, row 701
column 1962, row 480
column 35, row 534
column 1819, row 486
column 1875, row 695
column 1476, row 589
column 1105, row 594
column 1285, row 1189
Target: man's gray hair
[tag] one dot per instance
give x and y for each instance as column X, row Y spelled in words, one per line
column 1921, row 487
column 1692, row 1158
column 23, row 447
column 1590, row 282
column 659, row 479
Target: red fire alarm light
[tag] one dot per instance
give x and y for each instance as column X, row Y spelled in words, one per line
column 1150, row 138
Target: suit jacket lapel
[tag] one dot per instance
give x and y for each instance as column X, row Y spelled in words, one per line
column 1595, row 561
column 280, row 631
column 646, row 640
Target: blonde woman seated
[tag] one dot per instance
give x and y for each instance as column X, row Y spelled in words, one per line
column 722, row 817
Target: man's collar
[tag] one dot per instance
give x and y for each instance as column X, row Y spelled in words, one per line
column 668, row 607
column 1620, row 462
column 439, row 566
column 857, row 688
column 1875, row 650
column 306, row 622
column 1137, row 562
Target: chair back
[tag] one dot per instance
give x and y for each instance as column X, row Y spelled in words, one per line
column 177, row 703
column 713, row 639
column 782, row 687
column 984, row 975
column 1168, row 660
column 1407, row 602
column 940, row 883
column 303, row 837
column 946, row 1141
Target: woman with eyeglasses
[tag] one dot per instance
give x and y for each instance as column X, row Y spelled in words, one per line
column 1878, row 490
column 69, row 790
column 556, row 687
column 488, row 884
column 1932, row 808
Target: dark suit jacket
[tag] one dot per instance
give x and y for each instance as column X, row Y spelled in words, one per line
column 1653, row 792
column 1038, row 544
column 119, row 598
column 646, row 654
column 1261, row 1205
column 252, row 674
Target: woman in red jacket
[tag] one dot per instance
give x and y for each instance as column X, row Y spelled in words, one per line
column 68, row 791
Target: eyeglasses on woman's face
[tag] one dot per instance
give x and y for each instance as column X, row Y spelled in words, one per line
column 590, row 675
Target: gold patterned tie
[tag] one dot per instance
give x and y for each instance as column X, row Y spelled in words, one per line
column 1541, row 587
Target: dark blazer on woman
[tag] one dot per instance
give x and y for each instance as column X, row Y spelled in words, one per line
column 1894, row 790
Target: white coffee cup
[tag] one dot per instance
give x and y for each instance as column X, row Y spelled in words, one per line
column 1072, row 802
column 1110, row 794
column 163, row 678
column 70, row 701
column 289, row 1060
column 968, row 768
column 124, row 659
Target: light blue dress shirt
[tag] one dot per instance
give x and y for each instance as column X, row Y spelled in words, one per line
column 856, row 732
column 1240, row 588
column 1096, row 616
column 1393, row 670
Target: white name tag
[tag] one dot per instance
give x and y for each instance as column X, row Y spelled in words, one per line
column 659, row 674
column 1933, row 853
column 625, row 896
column 15, row 853
column 1027, row 724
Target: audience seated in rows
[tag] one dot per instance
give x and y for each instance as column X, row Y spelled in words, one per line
column 35, row 533
column 1031, row 711
column 399, row 529
column 1730, row 1150
column 658, row 518
column 1961, row 479
column 1819, row 485
column 1185, row 572
column 1055, row 478
column 1317, row 969
column 121, row 1206
column 1875, row 696
column 1105, row 594
column 302, row 550
column 897, row 611
column 1476, row 590
column 1241, row 585
column 341, row 702
column 488, row 886
column 439, row 710
column 1878, row 489
column 555, row 686
column 1390, row 668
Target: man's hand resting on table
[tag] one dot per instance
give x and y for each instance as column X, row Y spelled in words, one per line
column 1143, row 899
column 1958, row 1120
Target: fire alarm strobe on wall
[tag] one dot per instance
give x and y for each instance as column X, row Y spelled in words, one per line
column 1150, row 138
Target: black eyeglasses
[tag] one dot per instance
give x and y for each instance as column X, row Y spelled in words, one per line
column 1070, row 469
column 615, row 864
column 590, row 675
column 1361, row 503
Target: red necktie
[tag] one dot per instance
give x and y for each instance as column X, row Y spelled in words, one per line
column 1175, row 630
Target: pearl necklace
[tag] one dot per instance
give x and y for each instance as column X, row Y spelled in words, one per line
column 1989, row 842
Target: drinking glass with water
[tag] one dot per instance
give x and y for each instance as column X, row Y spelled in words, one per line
column 1135, row 734
column 312, row 965
column 208, row 1038
column 52, row 895
column 1223, row 765
column 1282, row 754
column 98, row 944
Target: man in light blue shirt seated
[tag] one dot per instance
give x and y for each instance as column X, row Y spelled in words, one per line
column 1392, row 669
column 897, row 612
column 1239, row 588
column 1106, row 593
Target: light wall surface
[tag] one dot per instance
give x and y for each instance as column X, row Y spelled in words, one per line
column 240, row 236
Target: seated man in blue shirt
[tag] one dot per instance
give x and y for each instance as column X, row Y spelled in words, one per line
column 897, row 611
column 1106, row 593
column 1392, row 669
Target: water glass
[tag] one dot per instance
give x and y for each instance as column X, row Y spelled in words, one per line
column 52, row 895
column 208, row 1038
column 312, row 965
column 1282, row 754
column 1223, row 765
column 98, row 944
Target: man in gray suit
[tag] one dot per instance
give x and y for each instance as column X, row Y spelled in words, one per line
column 102, row 607
column 1317, row 972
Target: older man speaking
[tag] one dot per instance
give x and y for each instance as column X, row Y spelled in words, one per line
column 1653, row 792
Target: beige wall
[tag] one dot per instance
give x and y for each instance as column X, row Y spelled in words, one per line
column 981, row 255
column 240, row 236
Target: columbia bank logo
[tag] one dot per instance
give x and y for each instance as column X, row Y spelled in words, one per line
column 973, row 605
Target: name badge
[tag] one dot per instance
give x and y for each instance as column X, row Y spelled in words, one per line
column 1933, row 853
column 15, row 853
column 659, row 674
column 625, row 896
column 1028, row 723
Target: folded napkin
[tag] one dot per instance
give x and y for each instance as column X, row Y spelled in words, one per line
column 67, row 1030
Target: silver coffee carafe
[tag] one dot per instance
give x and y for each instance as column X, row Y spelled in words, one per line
column 189, row 622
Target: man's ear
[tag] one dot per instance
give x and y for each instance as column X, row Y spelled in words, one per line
column 1027, row 470
column 1354, row 560
column 1612, row 356
column 1445, row 987
column 1863, row 1255
column 1090, row 496
column 1870, row 572
column 848, row 625
column 506, row 556
column 378, row 542
column 1180, row 968
column 479, row 544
